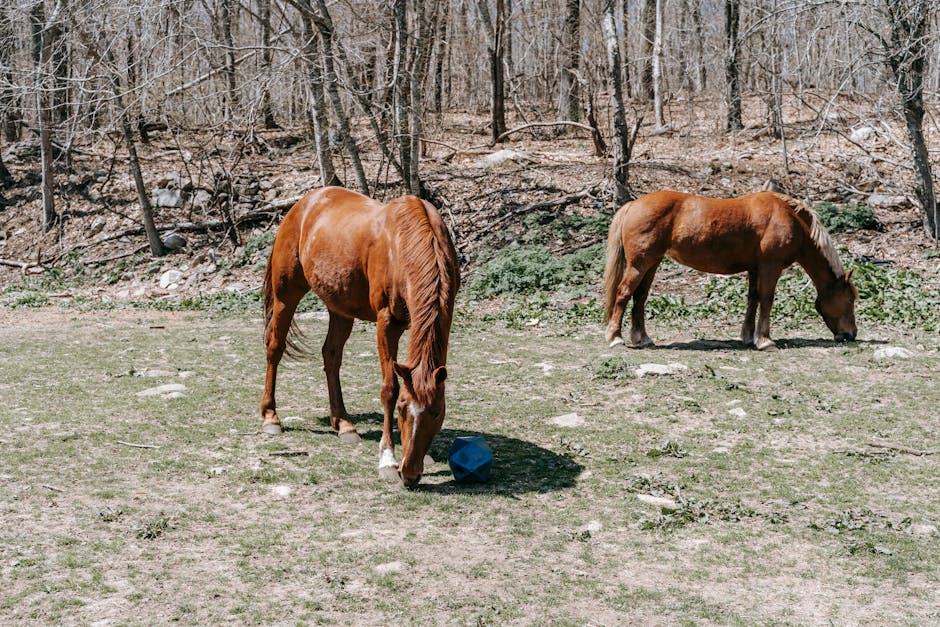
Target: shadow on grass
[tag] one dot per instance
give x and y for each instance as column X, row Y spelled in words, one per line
column 782, row 344
column 518, row 466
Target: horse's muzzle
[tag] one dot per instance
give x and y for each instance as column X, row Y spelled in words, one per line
column 410, row 483
column 845, row 337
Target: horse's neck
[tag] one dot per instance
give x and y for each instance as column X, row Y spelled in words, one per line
column 817, row 266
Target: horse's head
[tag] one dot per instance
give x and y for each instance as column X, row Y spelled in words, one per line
column 420, row 416
column 836, row 304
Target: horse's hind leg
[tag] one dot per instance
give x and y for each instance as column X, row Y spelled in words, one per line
column 283, row 304
column 336, row 336
column 638, row 314
column 632, row 278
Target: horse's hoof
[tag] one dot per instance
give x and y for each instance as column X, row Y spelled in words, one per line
column 617, row 341
column 389, row 473
column 350, row 437
column 272, row 428
column 644, row 343
column 767, row 347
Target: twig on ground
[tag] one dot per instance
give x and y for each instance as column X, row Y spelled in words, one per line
column 541, row 124
column 135, row 445
column 902, row 449
column 52, row 487
column 289, row 453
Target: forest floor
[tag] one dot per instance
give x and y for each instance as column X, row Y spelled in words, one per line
column 489, row 203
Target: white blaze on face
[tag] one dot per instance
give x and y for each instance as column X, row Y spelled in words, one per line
column 416, row 410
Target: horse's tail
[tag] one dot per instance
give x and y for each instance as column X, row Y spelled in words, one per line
column 616, row 262
column 294, row 347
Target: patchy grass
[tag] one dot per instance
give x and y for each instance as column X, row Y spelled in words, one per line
column 845, row 218
column 775, row 522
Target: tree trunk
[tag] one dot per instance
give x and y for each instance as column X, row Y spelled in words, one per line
column 497, row 71
column 231, row 102
column 324, row 25
column 907, row 56
column 658, row 69
column 416, row 75
column 321, row 128
column 9, row 101
column 401, row 96
column 267, row 111
column 153, row 237
column 733, row 120
column 568, row 101
column 441, row 51
column 625, row 51
column 42, row 31
column 649, row 35
column 6, row 179
column 621, row 139
column 698, row 50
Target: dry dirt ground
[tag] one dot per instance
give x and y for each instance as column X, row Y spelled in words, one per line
column 778, row 508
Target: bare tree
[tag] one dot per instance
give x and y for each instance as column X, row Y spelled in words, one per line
column 264, row 14
column 907, row 49
column 314, row 64
column 226, row 18
column 568, row 102
column 621, row 139
column 495, row 29
column 43, row 33
column 649, row 35
column 658, row 69
column 733, row 119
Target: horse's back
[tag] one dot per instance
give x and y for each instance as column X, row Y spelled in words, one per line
column 717, row 235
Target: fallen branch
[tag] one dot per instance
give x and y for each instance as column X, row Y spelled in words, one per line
column 562, row 201
column 13, row 263
column 540, row 124
column 902, row 449
column 135, row 445
column 289, row 453
column 139, row 249
column 52, row 487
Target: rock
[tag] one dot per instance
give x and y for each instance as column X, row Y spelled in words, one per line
column 504, row 158
column 918, row 529
column 153, row 372
column 170, row 277
column 170, row 198
column 282, row 491
column 173, row 241
column 667, row 505
column 390, row 567
column 863, row 134
column 893, row 352
column 659, row 369
column 887, row 201
column 164, row 390
column 737, row 411
column 568, row 420
column 201, row 198
column 593, row 526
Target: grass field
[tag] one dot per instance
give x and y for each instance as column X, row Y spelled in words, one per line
column 777, row 509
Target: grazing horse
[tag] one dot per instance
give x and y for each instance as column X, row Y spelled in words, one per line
column 393, row 264
column 761, row 234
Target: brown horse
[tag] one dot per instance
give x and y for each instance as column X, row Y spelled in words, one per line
column 393, row 264
column 761, row 234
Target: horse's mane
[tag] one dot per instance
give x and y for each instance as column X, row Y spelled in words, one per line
column 429, row 265
column 817, row 232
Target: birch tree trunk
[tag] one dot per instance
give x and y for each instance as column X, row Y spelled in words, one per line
column 621, row 140
column 658, row 70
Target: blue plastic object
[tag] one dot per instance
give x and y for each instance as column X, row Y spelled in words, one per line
column 470, row 459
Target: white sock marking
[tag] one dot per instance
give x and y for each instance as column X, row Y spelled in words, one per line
column 617, row 342
column 387, row 458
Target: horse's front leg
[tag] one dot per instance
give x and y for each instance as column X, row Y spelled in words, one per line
column 337, row 333
column 388, row 333
column 747, row 330
column 766, row 285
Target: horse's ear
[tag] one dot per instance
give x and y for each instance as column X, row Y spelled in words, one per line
column 440, row 375
column 402, row 371
column 848, row 275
